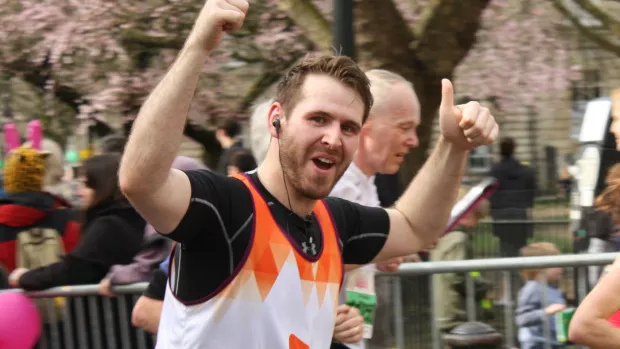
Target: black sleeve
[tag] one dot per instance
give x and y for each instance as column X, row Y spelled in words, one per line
column 69, row 271
column 89, row 262
column 210, row 192
column 363, row 230
column 157, row 286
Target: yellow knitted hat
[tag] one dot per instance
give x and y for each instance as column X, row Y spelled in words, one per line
column 23, row 170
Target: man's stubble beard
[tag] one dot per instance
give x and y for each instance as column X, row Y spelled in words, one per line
column 292, row 168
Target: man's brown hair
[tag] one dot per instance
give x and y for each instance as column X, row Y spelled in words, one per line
column 341, row 68
column 534, row 250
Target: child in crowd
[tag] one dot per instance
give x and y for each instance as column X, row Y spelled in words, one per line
column 532, row 307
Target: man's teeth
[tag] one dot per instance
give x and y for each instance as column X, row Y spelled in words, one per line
column 325, row 161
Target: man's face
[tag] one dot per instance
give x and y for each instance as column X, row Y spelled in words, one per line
column 319, row 136
column 615, row 124
column 391, row 131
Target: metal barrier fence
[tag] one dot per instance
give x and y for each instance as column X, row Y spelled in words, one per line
column 77, row 317
column 413, row 321
column 88, row 320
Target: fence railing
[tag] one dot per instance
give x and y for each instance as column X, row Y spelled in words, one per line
column 506, row 266
column 92, row 321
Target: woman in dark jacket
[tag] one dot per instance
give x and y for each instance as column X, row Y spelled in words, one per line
column 112, row 232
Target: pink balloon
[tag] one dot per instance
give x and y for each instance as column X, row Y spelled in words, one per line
column 20, row 322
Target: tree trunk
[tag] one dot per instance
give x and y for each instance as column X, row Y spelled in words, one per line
column 423, row 56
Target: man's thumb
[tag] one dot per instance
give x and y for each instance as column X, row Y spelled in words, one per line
column 447, row 95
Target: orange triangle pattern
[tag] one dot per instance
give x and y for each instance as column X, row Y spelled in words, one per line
column 271, row 250
column 295, row 343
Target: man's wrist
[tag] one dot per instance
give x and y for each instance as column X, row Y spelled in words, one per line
column 447, row 146
column 194, row 47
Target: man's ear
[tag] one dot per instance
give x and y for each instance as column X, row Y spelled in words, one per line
column 275, row 112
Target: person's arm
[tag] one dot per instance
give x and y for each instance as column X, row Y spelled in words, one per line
column 419, row 217
column 69, row 271
column 147, row 311
column 589, row 326
column 141, row 268
column 146, row 314
column 529, row 311
column 161, row 194
column 89, row 262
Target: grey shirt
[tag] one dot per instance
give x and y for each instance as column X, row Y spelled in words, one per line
column 531, row 311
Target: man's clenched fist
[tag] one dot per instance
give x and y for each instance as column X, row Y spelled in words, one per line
column 215, row 18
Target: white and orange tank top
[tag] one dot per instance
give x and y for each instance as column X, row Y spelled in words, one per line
column 276, row 298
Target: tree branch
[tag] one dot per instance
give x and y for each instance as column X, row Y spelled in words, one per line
column 382, row 36
column 308, row 17
column 611, row 23
column 447, row 33
column 130, row 37
column 269, row 77
column 601, row 39
column 38, row 76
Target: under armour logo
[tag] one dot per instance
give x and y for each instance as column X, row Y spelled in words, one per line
column 311, row 248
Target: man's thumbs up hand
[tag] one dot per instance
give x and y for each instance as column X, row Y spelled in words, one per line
column 467, row 125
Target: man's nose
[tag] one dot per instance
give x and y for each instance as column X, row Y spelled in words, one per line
column 332, row 137
column 411, row 139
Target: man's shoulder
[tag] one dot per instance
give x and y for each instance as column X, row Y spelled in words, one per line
column 215, row 179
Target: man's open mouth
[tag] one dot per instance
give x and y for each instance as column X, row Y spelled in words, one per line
column 323, row 163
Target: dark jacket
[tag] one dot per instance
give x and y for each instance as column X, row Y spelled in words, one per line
column 112, row 234
column 23, row 211
column 517, row 185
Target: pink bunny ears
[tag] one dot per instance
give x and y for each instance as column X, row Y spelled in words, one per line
column 12, row 139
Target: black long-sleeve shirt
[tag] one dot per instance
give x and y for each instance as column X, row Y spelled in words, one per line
column 112, row 235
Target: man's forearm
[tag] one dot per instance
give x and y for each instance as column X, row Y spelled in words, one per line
column 428, row 200
column 158, row 129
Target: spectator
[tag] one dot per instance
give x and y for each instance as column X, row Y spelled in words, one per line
column 531, row 307
column 53, row 180
column 228, row 133
column 449, row 288
column 112, row 234
column 515, row 195
column 241, row 161
column 259, row 130
column 36, row 227
column 114, row 143
column 108, row 220
column 25, row 207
